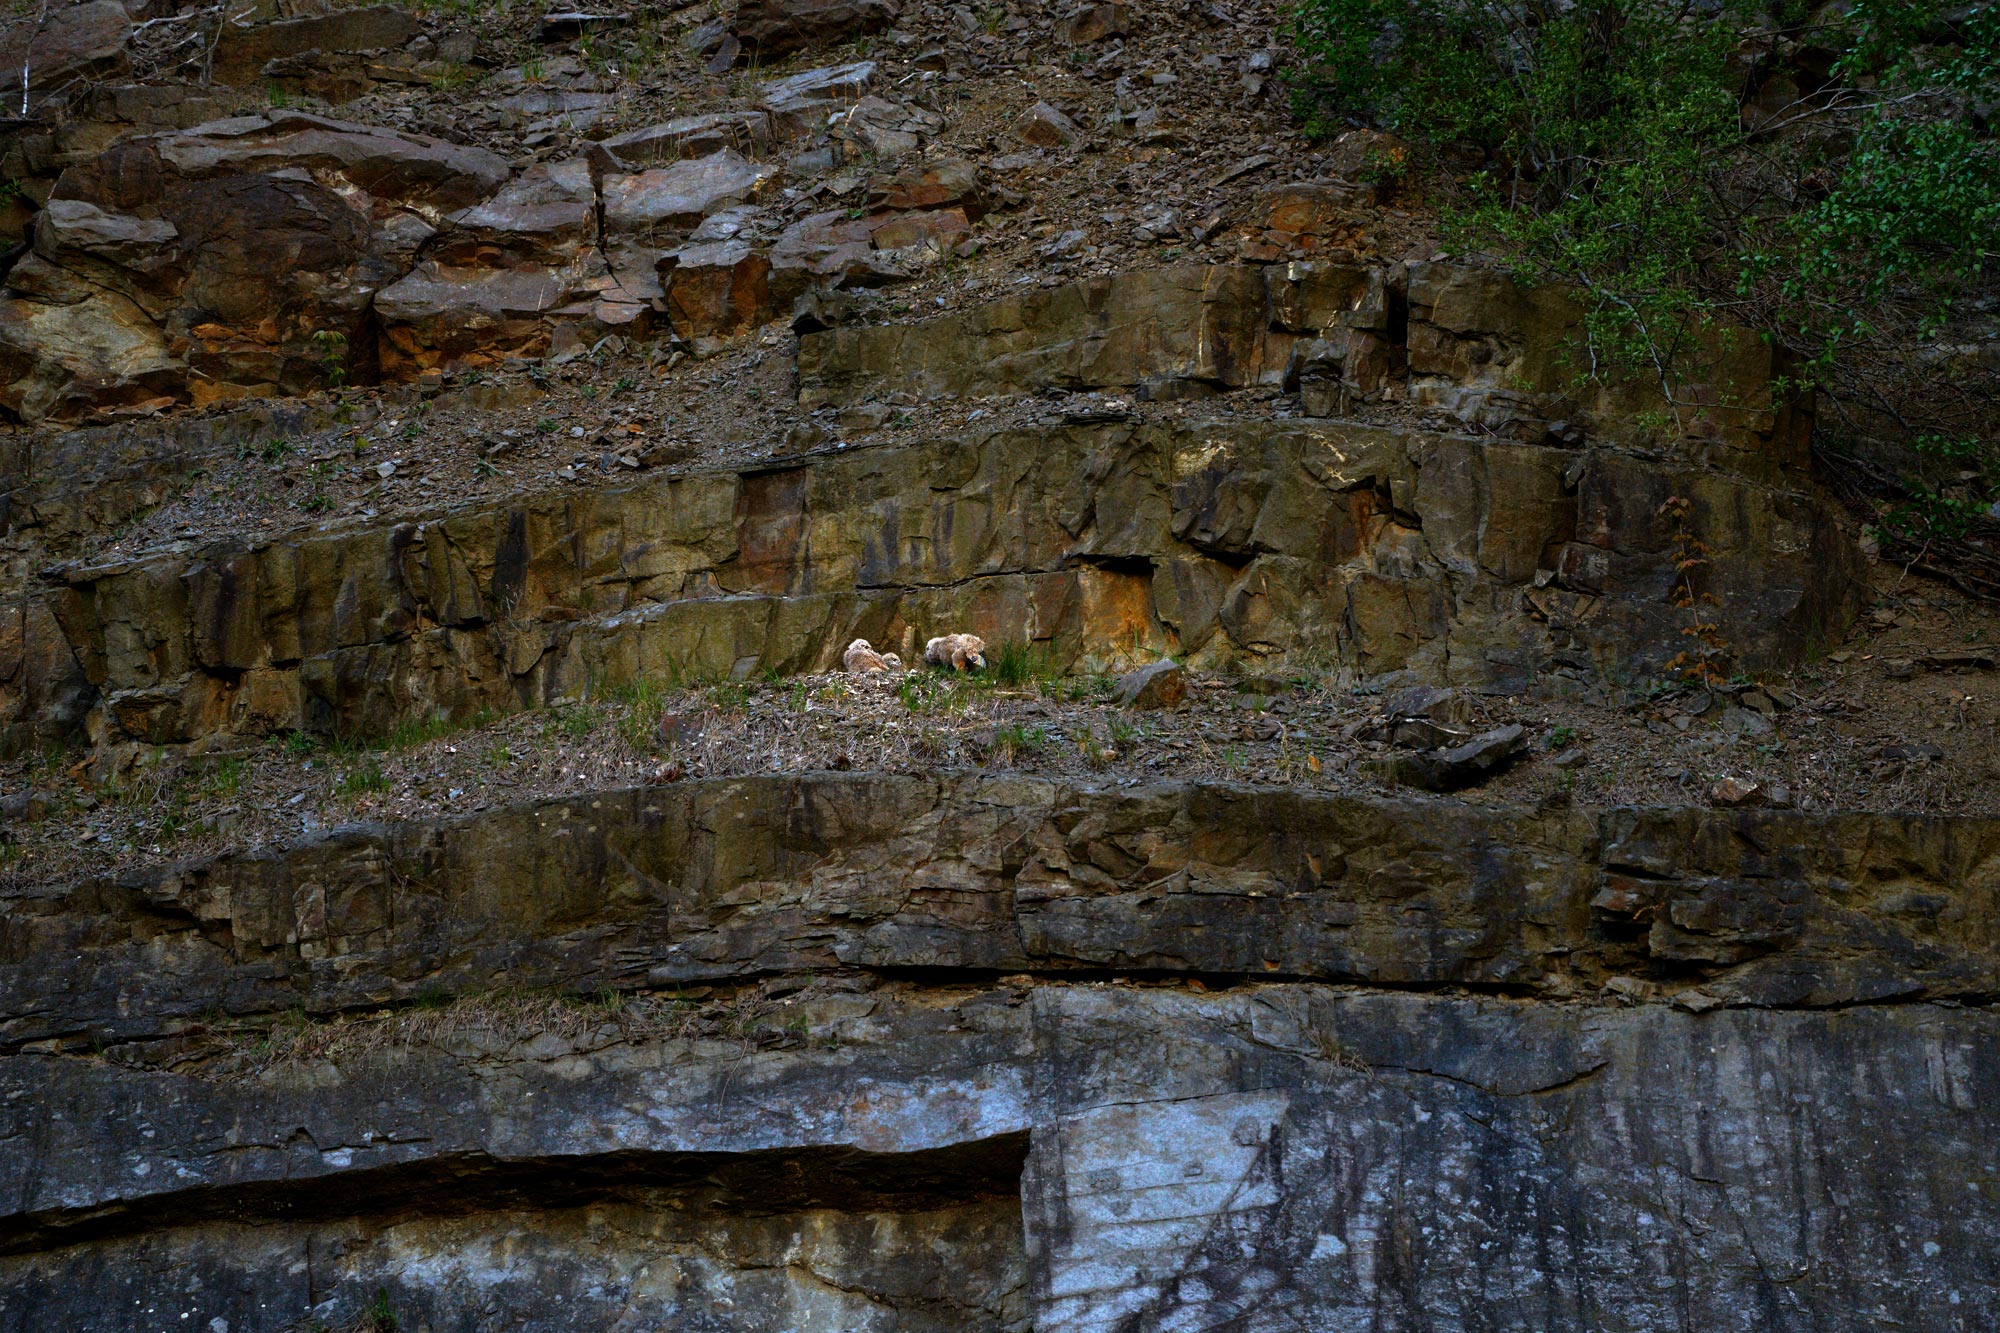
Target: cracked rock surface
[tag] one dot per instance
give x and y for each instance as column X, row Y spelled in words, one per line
column 449, row 883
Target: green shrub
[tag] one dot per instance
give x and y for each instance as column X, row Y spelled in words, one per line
column 1606, row 144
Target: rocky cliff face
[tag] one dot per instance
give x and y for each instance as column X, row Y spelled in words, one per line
column 379, row 381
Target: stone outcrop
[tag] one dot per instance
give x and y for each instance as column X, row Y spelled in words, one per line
column 1465, row 341
column 245, row 53
column 62, row 45
column 742, row 879
column 234, row 259
column 1036, row 1149
column 1268, row 1156
column 532, row 257
column 943, row 1049
column 1429, row 555
column 748, row 132
column 778, row 27
column 268, row 255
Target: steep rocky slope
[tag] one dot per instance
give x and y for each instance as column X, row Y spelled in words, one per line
column 449, row 882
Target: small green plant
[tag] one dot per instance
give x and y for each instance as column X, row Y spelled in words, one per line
column 433, row 726
column 363, row 777
column 379, row 1317
column 1948, row 510
column 452, row 77
column 316, row 502
column 299, row 744
column 330, row 345
column 1562, row 738
column 223, row 780
column 1095, row 751
column 643, row 702
column 1016, row 739
column 1013, row 664
column 921, row 691
column 730, row 695
column 576, row 721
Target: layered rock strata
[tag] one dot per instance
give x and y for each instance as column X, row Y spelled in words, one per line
column 1000, row 1141
column 1391, row 552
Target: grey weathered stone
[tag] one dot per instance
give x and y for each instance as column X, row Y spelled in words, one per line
column 692, row 136
column 1047, row 127
column 1267, row 1157
column 1452, row 766
column 674, row 199
column 800, row 106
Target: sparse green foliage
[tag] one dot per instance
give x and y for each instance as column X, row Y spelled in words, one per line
column 920, row 690
column 362, row 777
column 1946, row 507
column 1013, row 664
column 576, row 721
column 1016, row 739
column 730, row 694
column 638, row 724
column 1616, row 146
column 223, row 780
column 379, row 1317
column 330, row 345
column 1094, row 750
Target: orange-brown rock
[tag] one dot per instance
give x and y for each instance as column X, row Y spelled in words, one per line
column 939, row 227
column 944, row 183
column 717, row 289
column 242, row 50
column 238, row 258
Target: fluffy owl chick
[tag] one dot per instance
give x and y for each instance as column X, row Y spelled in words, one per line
column 960, row 652
column 861, row 658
